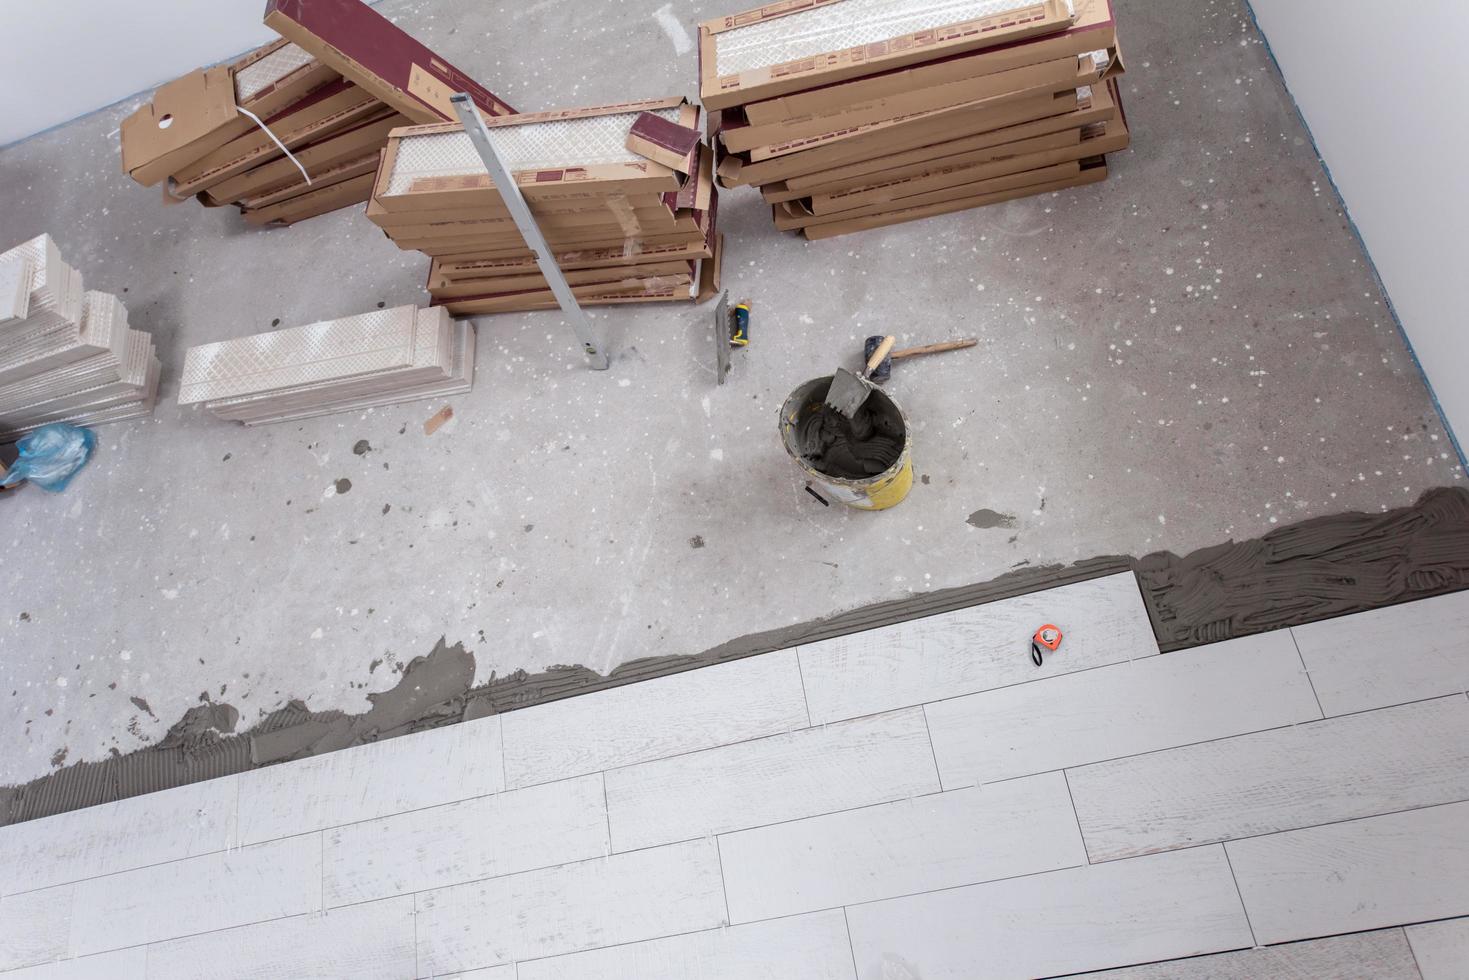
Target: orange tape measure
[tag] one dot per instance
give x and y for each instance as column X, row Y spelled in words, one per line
column 1049, row 637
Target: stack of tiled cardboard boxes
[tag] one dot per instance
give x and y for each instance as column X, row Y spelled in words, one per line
column 329, row 92
column 856, row 114
column 67, row 354
column 624, row 228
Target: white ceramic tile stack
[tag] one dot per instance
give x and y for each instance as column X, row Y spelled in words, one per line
column 356, row 362
column 66, row 355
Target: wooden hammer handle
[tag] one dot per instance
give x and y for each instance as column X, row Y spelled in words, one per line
column 898, row 355
column 878, row 356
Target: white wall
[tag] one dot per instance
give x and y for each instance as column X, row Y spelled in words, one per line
column 65, row 58
column 1382, row 95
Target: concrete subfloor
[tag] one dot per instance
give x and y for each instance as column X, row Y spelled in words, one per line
column 1195, row 350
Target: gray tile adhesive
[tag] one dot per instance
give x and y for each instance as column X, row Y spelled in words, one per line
column 1315, row 570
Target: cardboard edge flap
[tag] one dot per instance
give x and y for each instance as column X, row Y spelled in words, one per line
column 181, row 113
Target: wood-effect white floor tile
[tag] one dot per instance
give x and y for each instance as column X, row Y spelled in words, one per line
column 373, row 941
column 1155, row 908
column 114, row 837
column 784, row 777
column 1441, row 948
column 1336, row 769
column 120, row 964
column 806, row 947
column 1382, row 955
column 1401, row 653
column 654, row 719
column 1381, row 871
column 624, row 898
column 200, row 894
column 1230, row 688
column 976, row 649
column 1019, row 827
column 443, row 765
column 35, row 927
column 520, row 830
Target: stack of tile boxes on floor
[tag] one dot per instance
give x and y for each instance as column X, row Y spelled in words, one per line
column 330, row 91
column 857, row 114
column 625, row 229
column 356, row 362
column 66, row 355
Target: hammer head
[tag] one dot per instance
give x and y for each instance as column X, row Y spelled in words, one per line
column 884, row 371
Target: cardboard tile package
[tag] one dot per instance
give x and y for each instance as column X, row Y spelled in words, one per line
column 379, row 358
column 295, row 128
column 625, row 227
column 856, row 114
column 66, row 354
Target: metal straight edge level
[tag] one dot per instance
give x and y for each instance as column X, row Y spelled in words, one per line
column 479, row 135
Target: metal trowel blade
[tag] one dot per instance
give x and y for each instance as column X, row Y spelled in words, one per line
column 848, row 392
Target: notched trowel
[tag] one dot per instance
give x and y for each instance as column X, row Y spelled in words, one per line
column 848, row 391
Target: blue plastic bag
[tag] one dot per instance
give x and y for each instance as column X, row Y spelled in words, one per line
column 51, row 456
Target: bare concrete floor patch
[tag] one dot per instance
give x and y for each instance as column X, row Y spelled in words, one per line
column 1195, row 351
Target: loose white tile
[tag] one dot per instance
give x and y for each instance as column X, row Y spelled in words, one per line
column 1139, row 911
column 35, row 927
column 364, row 942
column 1337, row 769
column 977, row 649
column 555, row 823
column 1231, row 688
column 624, row 898
column 1442, row 949
column 443, row 765
column 1389, row 656
column 215, row 891
column 807, row 947
column 1380, row 955
column 1019, row 827
column 121, row 964
column 655, row 719
column 784, row 777
column 1362, row 874
column 112, row 837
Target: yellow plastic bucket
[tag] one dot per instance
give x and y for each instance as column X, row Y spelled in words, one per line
column 886, row 489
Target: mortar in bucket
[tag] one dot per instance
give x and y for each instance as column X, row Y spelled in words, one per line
column 865, row 462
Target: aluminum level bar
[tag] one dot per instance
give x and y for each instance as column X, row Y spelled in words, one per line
column 479, row 135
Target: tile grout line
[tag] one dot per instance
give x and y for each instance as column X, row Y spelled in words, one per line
column 1226, row 738
column 933, row 752
column 801, row 675
column 1289, row 830
column 504, row 770
column 851, row 946
column 1302, row 658
column 321, row 906
column 607, row 815
column 1081, row 834
column 1224, row 846
column 723, row 884
column 1408, row 941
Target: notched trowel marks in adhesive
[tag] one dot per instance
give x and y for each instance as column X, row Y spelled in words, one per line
column 866, row 445
column 986, row 518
